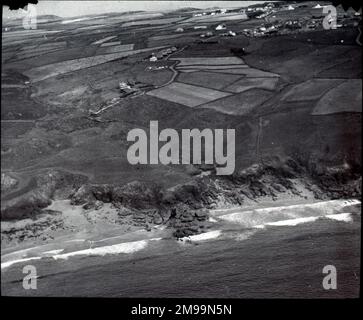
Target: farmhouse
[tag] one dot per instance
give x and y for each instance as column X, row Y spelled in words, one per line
column 221, row 27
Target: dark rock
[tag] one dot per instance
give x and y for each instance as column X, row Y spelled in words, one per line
column 157, row 219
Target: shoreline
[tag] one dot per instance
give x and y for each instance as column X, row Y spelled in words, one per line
column 114, row 230
column 73, row 246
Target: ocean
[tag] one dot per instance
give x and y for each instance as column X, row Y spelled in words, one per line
column 267, row 258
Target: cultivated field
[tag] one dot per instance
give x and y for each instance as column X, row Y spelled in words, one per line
column 116, row 48
column 224, row 17
column 110, row 44
column 240, row 104
column 208, row 79
column 150, row 22
column 212, row 67
column 187, row 95
column 250, row 83
column 209, row 61
column 103, row 40
column 52, row 70
column 311, row 89
column 349, row 95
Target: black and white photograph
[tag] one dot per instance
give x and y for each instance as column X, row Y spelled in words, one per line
column 181, row 150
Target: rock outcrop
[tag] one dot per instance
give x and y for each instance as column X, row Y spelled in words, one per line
column 51, row 184
column 184, row 207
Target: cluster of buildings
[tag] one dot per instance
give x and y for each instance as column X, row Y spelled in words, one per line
column 162, row 54
column 276, row 24
column 207, row 34
column 212, row 13
column 156, row 68
column 230, row 33
column 130, row 87
column 266, row 8
column 279, row 28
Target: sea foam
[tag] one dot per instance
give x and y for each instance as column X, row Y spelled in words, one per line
column 345, row 217
column 203, row 236
column 11, row 262
column 290, row 215
column 127, row 247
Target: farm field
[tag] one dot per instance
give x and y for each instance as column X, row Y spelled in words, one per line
column 186, row 94
column 311, row 89
column 250, row 73
column 245, row 84
column 209, row 61
column 212, row 67
column 103, row 40
column 225, row 17
column 37, row 50
column 91, row 27
column 150, row 22
column 208, row 79
column 227, row 74
column 175, row 41
column 349, row 95
column 113, row 43
column 168, row 36
column 240, row 104
column 40, row 47
column 116, row 48
column 52, row 70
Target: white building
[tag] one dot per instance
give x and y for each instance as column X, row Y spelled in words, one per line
column 221, row 27
column 200, row 27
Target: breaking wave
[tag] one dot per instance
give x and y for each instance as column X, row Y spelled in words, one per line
column 203, row 236
column 291, row 215
column 11, row 262
column 249, row 221
column 126, row 247
column 345, row 217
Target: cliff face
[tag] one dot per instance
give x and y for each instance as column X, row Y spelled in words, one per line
column 45, row 187
column 7, row 182
column 184, row 207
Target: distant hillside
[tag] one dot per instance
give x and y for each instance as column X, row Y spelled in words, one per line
column 49, row 17
column 16, row 20
column 188, row 9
